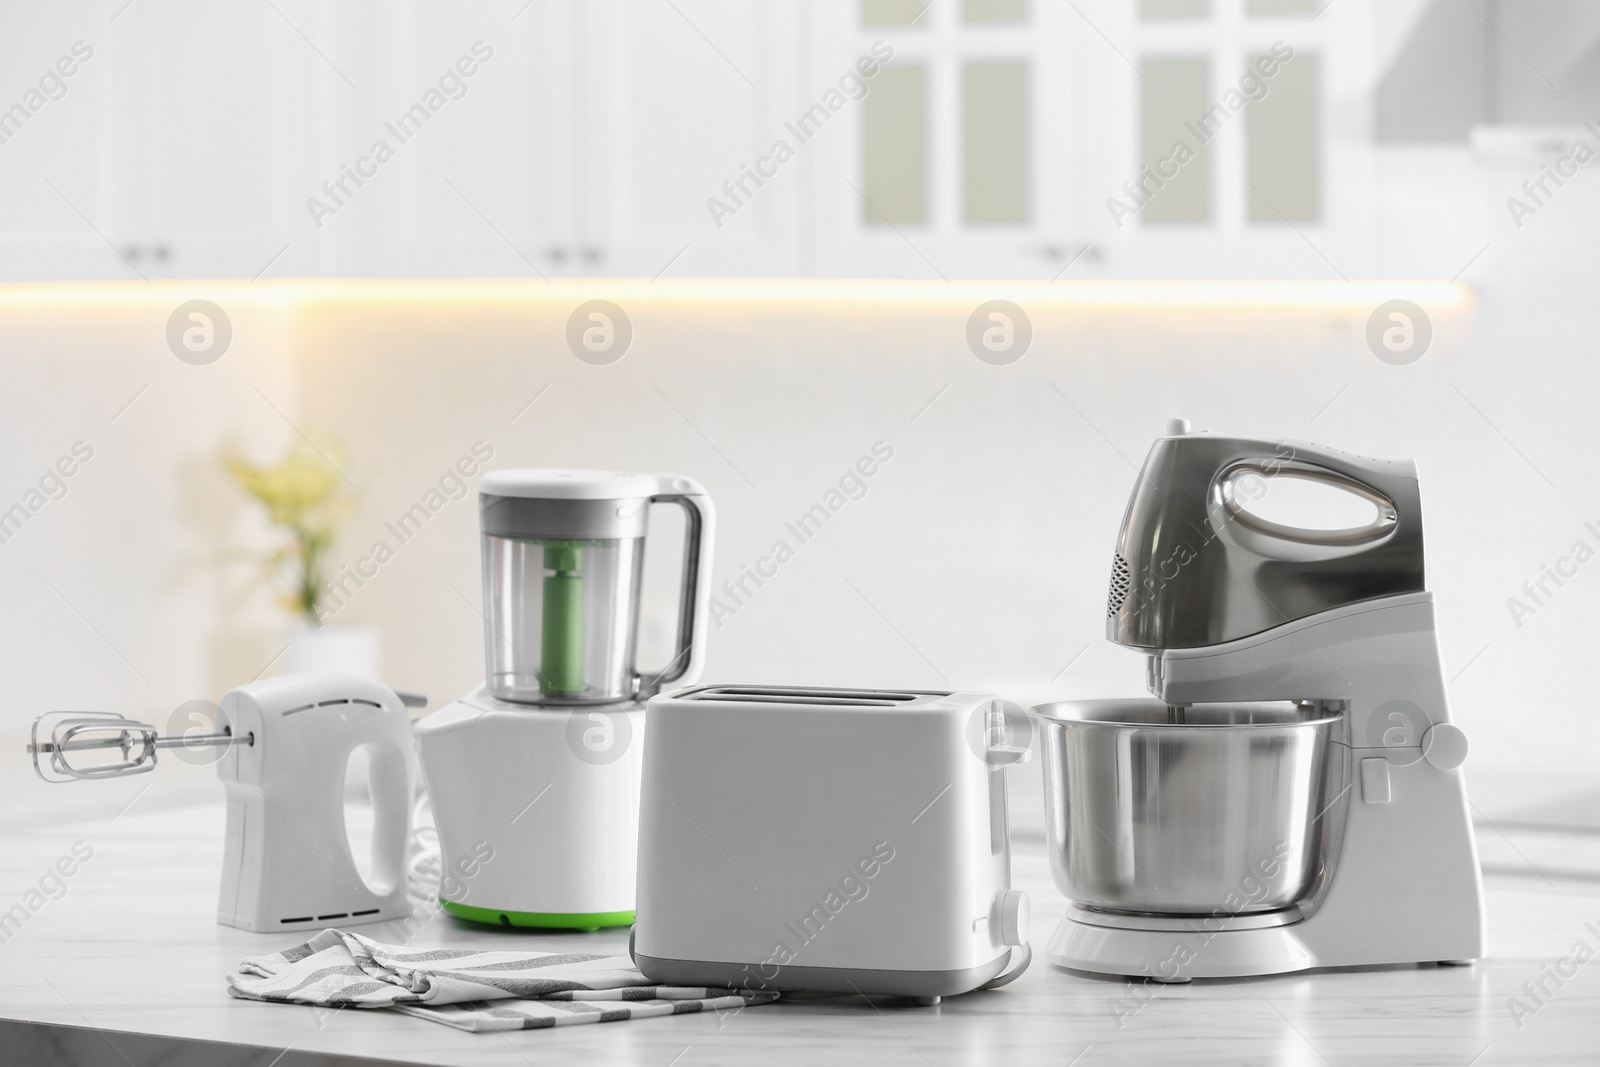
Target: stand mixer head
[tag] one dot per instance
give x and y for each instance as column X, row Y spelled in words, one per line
column 1195, row 565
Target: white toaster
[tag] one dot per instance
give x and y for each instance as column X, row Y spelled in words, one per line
column 830, row 840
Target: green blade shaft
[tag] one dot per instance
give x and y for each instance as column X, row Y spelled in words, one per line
column 561, row 641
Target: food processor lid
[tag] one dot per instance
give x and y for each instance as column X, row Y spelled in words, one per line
column 584, row 505
column 554, row 484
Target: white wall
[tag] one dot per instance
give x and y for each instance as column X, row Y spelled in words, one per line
column 977, row 558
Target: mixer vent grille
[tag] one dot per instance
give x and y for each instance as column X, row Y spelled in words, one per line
column 1121, row 580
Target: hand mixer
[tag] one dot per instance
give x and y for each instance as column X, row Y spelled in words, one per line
column 287, row 862
column 1292, row 796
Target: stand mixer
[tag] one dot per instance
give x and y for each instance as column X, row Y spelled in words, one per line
column 1292, row 797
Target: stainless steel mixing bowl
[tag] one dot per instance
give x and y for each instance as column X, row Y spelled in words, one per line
column 1217, row 814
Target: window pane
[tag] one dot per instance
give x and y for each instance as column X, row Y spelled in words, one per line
column 894, row 146
column 994, row 10
column 1285, row 133
column 891, row 12
column 994, row 123
column 1153, row 10
column 1282, row 7
column 1172, row 103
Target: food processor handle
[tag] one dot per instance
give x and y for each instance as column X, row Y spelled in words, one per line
column 694, row 595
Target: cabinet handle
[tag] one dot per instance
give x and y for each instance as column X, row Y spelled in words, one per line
column 1091, row 253
column 158, row 252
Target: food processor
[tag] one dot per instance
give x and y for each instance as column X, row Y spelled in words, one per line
column 534, row 776
column 1292, row 796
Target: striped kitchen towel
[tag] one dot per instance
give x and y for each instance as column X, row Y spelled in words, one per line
column 469, row 988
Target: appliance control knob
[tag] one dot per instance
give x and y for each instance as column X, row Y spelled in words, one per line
column 1445, row 746
column 1014, row 917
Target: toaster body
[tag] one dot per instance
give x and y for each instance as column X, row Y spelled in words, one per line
column 827, row 839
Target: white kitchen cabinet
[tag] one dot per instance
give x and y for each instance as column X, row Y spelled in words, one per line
column 1038, row 45
column 461, row 137
column 1088, row 67
column 51, row 165
column 167, row 155
column 1322, row 233
column 203, row 136
column 684, row 102
column 664, row 137
column 588, row 143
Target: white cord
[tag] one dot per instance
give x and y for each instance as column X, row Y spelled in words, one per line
column 424, row 866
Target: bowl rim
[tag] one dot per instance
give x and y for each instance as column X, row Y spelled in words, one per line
column 1094, row 713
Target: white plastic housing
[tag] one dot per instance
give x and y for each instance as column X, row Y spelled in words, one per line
column 754, row 813
column 550, row 794
column 286, row 859
column 1405, row 883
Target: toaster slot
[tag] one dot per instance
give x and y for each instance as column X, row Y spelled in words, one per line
column 874, row 698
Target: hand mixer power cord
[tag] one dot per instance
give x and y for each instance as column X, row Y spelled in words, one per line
column 424, row 867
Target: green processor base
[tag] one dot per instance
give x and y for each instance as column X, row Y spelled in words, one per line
column 585, row 921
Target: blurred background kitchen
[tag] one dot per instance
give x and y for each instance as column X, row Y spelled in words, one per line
column 396, row 214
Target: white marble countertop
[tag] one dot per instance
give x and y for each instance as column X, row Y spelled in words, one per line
column 133, row 946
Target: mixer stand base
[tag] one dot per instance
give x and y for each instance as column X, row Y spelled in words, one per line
column 1176, row 956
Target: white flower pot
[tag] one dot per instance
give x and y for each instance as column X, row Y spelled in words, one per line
column 343, row 647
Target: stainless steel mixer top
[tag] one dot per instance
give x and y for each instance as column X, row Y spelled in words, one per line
column 1195, row 565
column 1224, row 812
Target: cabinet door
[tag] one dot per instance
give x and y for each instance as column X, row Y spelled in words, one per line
column 461, row 136
column 958, row 161
column 166, row 152
column 202, row 137
column 54, row 180
column 1204, row 165
column 683, row 105
column 588, row 144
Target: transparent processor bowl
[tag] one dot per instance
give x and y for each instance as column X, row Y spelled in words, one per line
column 560, row 618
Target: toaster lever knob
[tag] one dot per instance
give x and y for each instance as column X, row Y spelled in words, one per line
column 1014, row 917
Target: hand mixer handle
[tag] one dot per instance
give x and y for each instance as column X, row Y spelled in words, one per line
column 1390, row 486
column 390, row 784
column 1229, row 494
column 1194, row 566
column 694, row 594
